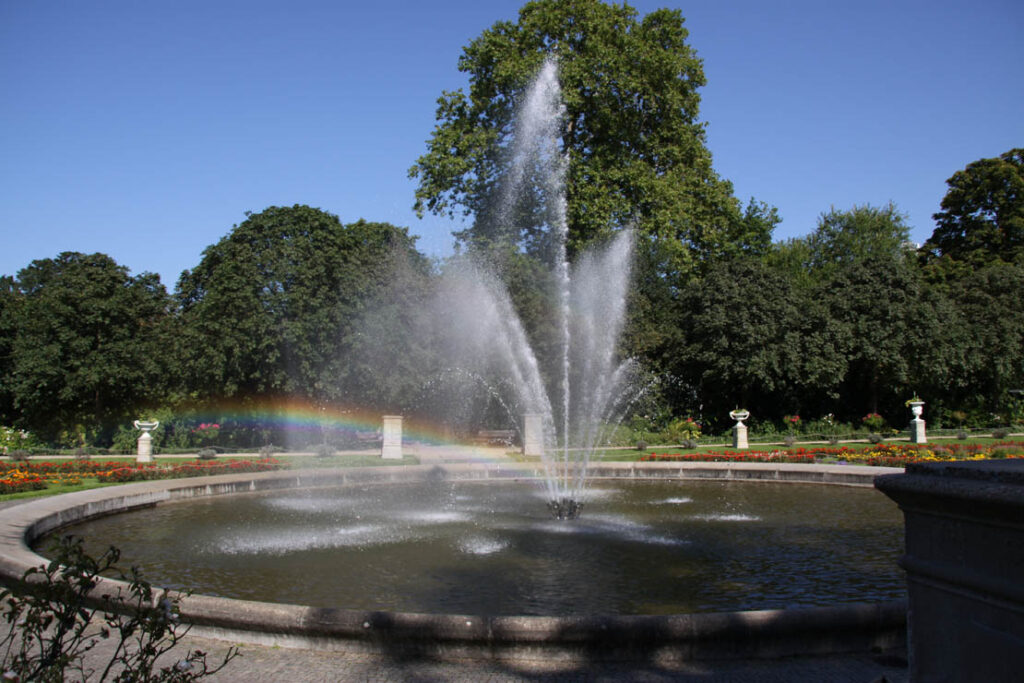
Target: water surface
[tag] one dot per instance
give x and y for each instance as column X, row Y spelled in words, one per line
column 491, row 548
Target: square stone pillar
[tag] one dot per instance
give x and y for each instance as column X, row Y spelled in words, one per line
column 391, row 442
column 917, row 434
column 533, row 434
column 739, row 436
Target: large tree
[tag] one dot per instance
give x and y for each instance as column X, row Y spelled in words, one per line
column 274, row 308
column 85, row 343
column 858, row 234
column 991, row 307
column 756, row 340
column 635, row 146
column 982, row 217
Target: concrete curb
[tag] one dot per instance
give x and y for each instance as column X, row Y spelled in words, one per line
column 734, row 635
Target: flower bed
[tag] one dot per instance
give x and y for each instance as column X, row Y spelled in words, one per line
column 883, row 455
column 25, row 476
column 121, row 474
column 17, row 481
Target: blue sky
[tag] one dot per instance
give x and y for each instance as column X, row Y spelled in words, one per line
column 146, row 130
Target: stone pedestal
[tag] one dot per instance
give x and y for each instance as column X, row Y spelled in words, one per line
column 391, row 432
column 917, row 434
column 964, row 562
column 917, row 424
column 739, row 436
column 145, row 443
column 145, row 452
column 533, row 434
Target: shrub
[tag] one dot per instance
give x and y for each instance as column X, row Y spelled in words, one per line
column 789, row 439
column 961, row 435
column 875, row 438
column 269, row 450
column 82, row 454
column 52, row 625
column 682, row 429
column 1000, row 433
column 207, row 454
column 874, row 422
column 19, row 455
column 323, row 451
column 641, row 445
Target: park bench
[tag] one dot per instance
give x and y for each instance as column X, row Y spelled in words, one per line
column 494, row 437
column 367, row 437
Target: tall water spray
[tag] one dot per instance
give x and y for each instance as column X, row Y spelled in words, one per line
column 591, row 306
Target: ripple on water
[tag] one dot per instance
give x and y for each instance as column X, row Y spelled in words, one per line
column 727, row 517
column 482, row 545
column 314, row 539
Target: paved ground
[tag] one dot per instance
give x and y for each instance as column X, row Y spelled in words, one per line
column 274, row 665
column 258, row 665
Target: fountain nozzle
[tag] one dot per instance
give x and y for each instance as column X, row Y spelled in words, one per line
column 565, row 508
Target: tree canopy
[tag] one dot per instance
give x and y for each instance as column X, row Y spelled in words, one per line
column 982, row 215
column 85, row 344
column 273, row 308
column 635, row 146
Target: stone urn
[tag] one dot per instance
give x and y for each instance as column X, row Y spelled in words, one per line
column 739, row 415
column 145, row 452
column 739, row 431
column 917, row 426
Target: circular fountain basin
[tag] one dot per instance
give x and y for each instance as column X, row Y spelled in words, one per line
column 410, row 546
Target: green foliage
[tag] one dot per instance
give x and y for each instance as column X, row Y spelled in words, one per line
column 636, row 149
column 982, row 217
column 874, row 422
column 861, row 234
column 274, row 308
column 86, row 345
column 53, row 622
column 13, row 439
column 989, row 303
column 683, row 429
column 753, row 339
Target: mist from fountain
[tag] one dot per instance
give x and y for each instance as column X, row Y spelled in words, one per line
column 588, row 394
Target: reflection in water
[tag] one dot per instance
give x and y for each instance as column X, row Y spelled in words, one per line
column 489, row 548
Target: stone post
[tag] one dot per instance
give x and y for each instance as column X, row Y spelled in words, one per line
column 391, row 431
column 145, row 443
column 739, row 431
column 964, row 531
column 533, row 434
column 917, row 434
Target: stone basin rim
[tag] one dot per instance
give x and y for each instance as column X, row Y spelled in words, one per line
column 743, row 634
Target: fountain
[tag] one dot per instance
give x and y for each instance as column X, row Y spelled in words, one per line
column 588, row 393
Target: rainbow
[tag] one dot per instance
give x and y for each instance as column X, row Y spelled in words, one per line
column 297, row 417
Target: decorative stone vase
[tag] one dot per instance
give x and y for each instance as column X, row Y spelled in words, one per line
column 917, row 426
column 739, row 415
column 739, row 431
column 145, row 443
